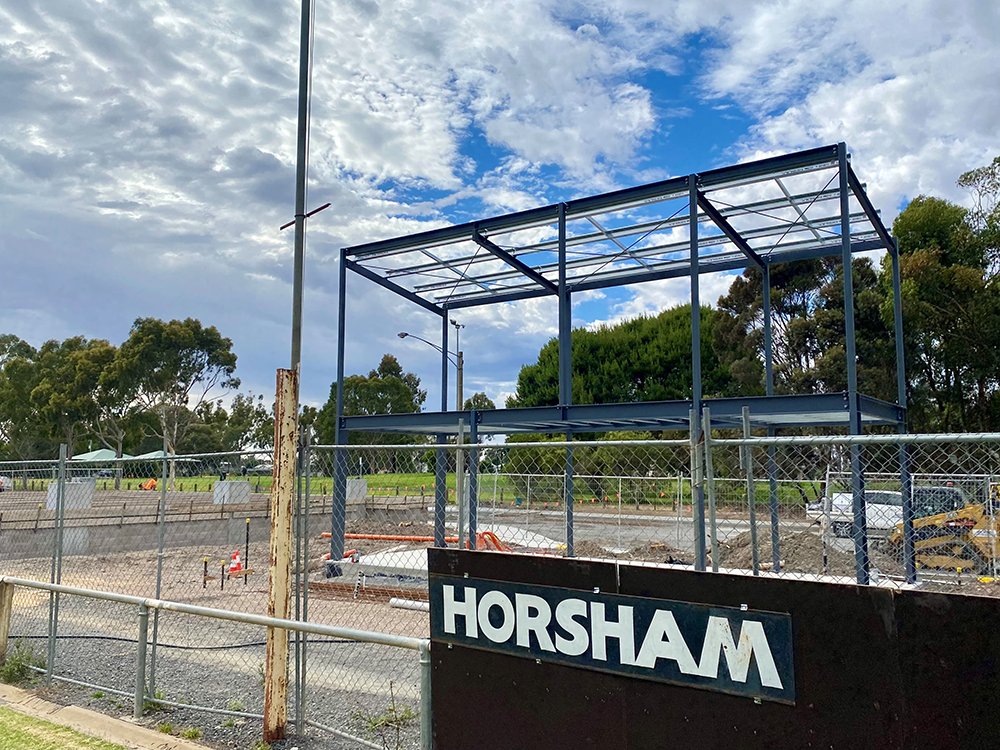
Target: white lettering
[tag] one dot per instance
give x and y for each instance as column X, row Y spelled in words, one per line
column 536, row 623
column 752, row 643
column 501, row 633
column 466, row 609
column 566, row 611
column 664, row 641
column 601, row 629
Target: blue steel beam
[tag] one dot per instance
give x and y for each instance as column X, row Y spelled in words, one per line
column 817, row 157
column 727, row 229
column 513, row 262
column 866, row 205
column 818, row 409
column 393, row 287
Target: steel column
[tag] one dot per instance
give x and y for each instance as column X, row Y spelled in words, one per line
column 772, row 481
column 341, row 335
column 444, row 362
column 565, row 320
column 909, row 555
column 695, row 297
column 338, row 507
column 857, row 480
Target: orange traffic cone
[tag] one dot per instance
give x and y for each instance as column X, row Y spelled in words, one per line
column 235, row 566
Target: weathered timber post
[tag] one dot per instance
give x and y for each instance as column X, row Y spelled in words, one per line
column 6, row 606
column 282, row 494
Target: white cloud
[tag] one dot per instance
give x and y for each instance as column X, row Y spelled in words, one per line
column 147, row 147
column 913, row 86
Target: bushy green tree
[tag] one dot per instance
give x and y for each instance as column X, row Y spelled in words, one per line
column 643, row 359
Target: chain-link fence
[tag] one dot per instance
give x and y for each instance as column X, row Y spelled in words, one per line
column 885, row 509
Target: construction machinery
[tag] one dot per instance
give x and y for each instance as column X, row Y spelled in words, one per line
column 963, row 540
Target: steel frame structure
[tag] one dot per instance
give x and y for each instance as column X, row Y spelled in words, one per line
column 799, row 206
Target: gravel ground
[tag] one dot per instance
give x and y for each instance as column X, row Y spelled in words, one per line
column 348, row 683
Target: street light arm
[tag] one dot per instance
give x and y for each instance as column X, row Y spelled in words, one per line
column 449, row 355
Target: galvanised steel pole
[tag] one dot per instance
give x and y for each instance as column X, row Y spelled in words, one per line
column 56, row 575
column 161, row 525
column 140, row 661
column 307, row 462
column 301, row 177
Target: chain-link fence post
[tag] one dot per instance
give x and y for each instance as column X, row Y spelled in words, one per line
column 161, row 526
column 304, row 529
column 57, row 552
column 473, row 479
column 297, row 533
column 426, row 722
column 140, row 662
column 440, row 491
column 860, row 522
column 772, row 490
column 905, row 486
column 713, row 528
column 338, row 517
column 697, row 493
column 746, row 454
column 569, row 496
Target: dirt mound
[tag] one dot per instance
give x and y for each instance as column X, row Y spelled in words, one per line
column 650, row 552
column 801, row 552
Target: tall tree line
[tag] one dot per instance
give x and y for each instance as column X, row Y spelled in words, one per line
column 161, row 385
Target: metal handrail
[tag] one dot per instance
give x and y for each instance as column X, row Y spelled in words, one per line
column 421, row 645
column 352, row 634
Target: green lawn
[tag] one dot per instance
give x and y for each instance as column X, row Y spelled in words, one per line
column 504, row 488
column 18, row 731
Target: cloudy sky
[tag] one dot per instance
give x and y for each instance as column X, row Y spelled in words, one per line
column 147, row 147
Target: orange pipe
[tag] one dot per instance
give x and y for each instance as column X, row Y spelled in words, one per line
column 391, row 537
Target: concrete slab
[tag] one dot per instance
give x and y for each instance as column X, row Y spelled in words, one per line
column 112, row 730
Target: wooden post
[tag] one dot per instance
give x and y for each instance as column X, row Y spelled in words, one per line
column 6, row 605
column 282, row 494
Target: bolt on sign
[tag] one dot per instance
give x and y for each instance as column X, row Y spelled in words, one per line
column 725, row 649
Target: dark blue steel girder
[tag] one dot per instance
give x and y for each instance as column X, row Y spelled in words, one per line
column 811, row 410
column 707, row 264
column 598, row 203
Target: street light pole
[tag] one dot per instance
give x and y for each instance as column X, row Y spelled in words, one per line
column 459, row 363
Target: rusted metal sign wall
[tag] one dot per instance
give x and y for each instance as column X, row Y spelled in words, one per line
column 864, row 667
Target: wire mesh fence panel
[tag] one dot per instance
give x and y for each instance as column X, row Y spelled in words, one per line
column 366, row 690
column 28, row 494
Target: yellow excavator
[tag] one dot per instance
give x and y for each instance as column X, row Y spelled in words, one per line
column 963, row 539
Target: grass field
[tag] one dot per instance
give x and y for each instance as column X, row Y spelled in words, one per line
column 18, row 731
column 506, row 488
